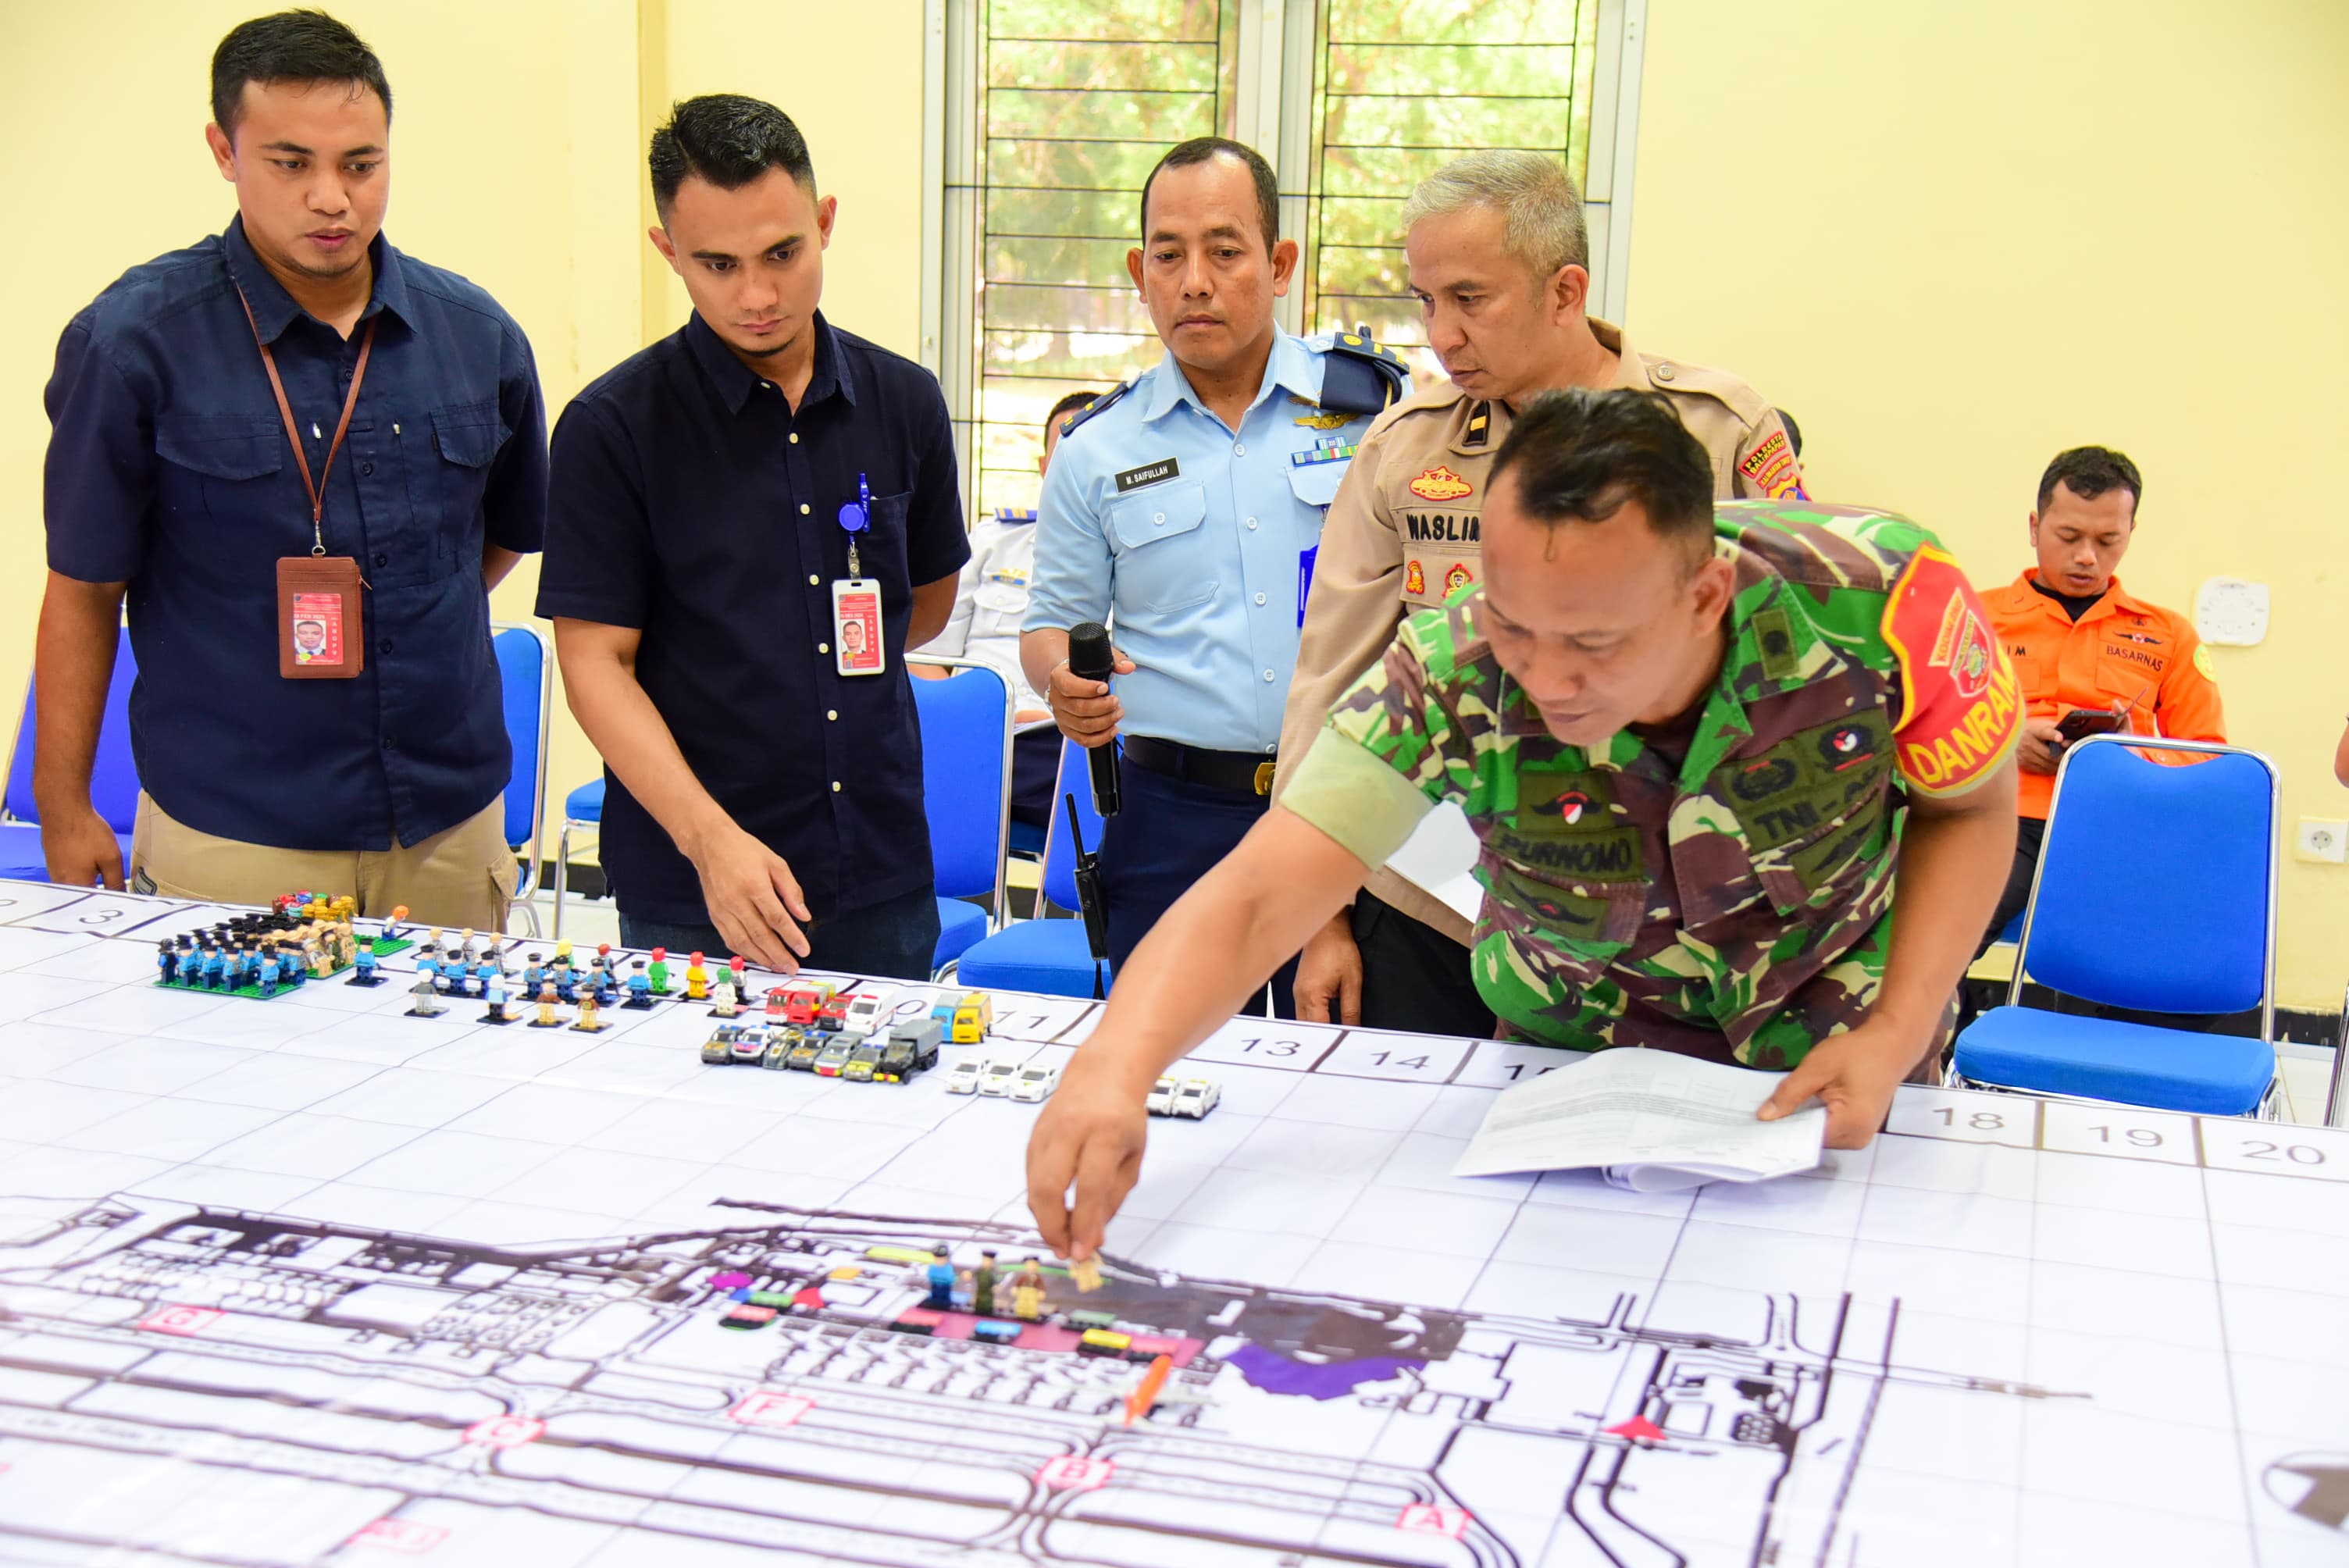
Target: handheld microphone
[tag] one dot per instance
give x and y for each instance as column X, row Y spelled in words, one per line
column 1089, row 896
column 1090, row 659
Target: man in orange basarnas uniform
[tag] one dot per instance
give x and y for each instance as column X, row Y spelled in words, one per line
column 2079, row 641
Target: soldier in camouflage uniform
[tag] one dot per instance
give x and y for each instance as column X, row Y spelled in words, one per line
column 1695, row 742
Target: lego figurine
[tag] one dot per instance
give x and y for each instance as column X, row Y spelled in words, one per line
column 587, row 1022
column 941, row 1276
column 722, row 1002
column 166, row 962
column 659, row 975
column 392, row 930
column 215, row 967
column 428, row 998
column 497, row 993
column 697, row 980
column 264, row 974
column 982, row 1285
column 547, row 1017
column 465, row 946
column 534, row 975
column 640, row 986
column 1028, row 1292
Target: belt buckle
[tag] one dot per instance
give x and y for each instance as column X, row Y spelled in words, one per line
column 1263, row 778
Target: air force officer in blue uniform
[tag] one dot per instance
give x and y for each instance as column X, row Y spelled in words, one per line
column 1183, row 509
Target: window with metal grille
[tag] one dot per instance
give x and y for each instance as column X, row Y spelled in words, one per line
column 1052, row 112
column 1077, row 99
column 1402, row 87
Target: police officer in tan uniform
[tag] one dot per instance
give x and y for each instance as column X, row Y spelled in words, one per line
column 1499, row 257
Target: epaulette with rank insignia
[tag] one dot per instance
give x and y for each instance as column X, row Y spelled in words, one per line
column 1479, row 430
column 1069, row 426
column 1358, row 376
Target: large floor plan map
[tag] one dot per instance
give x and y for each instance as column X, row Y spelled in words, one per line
column 306, row 1279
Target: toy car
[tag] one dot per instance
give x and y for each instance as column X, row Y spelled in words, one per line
column 863, row 1062
column 964, row 1078
column 997, row 1076
column 832, row 1014
column 1161, row 1099
column 805, row 1052
column 719, row 1048
column 967, row 1022
column 1035, row 1081
column 923, row 1032
column 1195, row 1099
column 750, row 1047
column 869, row 1010
column 834, row 1057
column 799, row 1004
column 781, row 1044
column 910, row 1053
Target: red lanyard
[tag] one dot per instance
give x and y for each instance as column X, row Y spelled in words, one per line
column 293, row 431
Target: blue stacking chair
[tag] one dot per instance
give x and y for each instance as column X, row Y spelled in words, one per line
column 2155, row 892
column 526, row 670
column 583, row 809
column 113, row 781
column 1048, row 955
column 966, row 722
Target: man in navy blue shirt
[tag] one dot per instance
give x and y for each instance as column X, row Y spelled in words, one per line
column 174, row 481
column 750, row 520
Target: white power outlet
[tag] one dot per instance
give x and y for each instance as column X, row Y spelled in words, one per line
column 2322, row 838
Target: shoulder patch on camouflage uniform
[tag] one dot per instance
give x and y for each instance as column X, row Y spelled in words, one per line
column 1959, row 708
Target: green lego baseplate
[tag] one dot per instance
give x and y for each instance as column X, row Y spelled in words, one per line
column 383, row 949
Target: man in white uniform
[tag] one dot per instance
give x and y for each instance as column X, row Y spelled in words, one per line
column 985, row 627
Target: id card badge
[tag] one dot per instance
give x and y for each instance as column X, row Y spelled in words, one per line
column 321, row 634
column 856, row 628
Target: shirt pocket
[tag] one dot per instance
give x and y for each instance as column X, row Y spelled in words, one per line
column 1826, row 869
column 1555, row 923
column 219, row 467
column 996, row 609
column 466, row 437
column 1155, row 572
column 1316, row 484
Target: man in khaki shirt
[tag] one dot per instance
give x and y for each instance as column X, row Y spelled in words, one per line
column 1499, row 257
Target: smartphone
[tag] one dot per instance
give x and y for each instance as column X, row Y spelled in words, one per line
column 2082, row 722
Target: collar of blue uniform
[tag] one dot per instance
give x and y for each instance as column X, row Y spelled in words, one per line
column 735, row 380
column 274, row 309
column 1292, row 367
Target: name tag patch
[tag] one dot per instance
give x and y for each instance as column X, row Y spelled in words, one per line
column 1148, row 474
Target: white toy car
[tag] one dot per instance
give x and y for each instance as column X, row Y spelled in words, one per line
column 963, row 1077
column 1195, row 1099
column 998, row 1076
column 1035, row 1081
column 869, row 1011
column 1161, row 1101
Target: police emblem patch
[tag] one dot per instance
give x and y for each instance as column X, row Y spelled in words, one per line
column 1414, row 579
column 1458, row 577
column 1440, row 483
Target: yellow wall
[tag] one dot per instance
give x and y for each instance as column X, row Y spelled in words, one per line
column 518, row 161
column 1956, row 239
